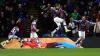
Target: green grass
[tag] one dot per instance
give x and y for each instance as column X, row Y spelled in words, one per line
column 50, row 52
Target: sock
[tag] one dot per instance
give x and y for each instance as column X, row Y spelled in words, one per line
column 39, row 45
column 77, row 40
column 5, row 43
column 80, row 43
column 19, row 39
column 65, row 26
column 21, row 43
column 9, row 39
column 56, row 29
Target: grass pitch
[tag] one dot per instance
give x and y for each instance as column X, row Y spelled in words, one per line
column 51, row 52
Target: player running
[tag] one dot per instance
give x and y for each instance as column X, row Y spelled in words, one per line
column 82, row 27
column 33, row 33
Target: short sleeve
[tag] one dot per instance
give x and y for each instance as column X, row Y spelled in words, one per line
column 17, row 29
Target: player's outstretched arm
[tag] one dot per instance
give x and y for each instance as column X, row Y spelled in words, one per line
column 92, row 23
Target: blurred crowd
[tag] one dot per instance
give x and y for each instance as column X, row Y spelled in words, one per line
column 12, row 10
column 72, row 10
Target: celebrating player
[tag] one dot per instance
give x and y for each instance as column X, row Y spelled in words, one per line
column 58, row 21
column 12, row 35
column 82, row 27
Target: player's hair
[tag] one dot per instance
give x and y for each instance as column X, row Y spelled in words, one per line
column 36, row 18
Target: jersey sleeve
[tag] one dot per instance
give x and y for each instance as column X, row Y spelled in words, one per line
column 91, row 22
column 77, row 21
column 17, row 29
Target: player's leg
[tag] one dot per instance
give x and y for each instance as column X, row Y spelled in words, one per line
column 59, row 26
column 80, row 43
column 16, row 37
column 80, row 36
column 23, row 40
column 4, row 43
column 19, row 39
column 10, row 37
column 58, row 23
column 77, row 40
column 65, row 26
column 37, row 39
column 31, row 35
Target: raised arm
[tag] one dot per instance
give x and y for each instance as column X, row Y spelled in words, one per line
column 91, row 22
column 77, row 21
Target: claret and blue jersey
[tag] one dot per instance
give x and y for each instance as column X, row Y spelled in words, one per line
column 14, row 30
column 82, row 24
column 33, row 23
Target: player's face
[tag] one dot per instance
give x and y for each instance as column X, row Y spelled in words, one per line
column 75, row 11
column 32, row 17
column 36, row 20
column 83, row 18
column 99, row 12
column 49, row 5
column 57, row 11
column 61, row 14
column 97, row 20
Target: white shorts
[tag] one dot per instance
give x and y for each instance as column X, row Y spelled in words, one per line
column 58, row 21
column 11, row 36
column 81, row 34
column 33, row 35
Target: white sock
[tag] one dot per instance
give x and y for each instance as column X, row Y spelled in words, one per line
column 39, row 45
column 65, row 26
column 80, row 43
column 18, row 39
column 56, row 29
column 77, row 40
column 7, row 41
column 4, row 45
